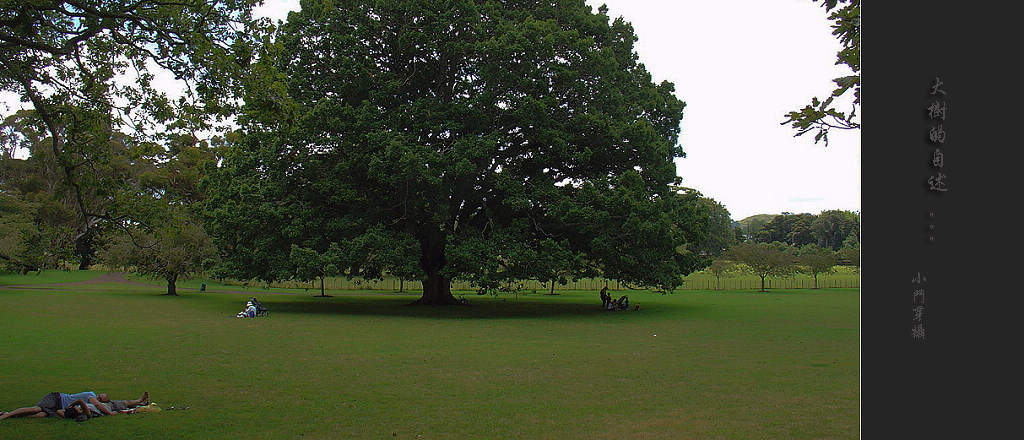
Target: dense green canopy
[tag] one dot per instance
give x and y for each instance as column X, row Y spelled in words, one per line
column 474, row 137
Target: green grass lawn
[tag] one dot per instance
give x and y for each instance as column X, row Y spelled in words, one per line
column 364, row 365
column 48, row 277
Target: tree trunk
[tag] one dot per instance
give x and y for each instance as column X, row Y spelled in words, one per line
column 172, row 282
column 323, row 290
column 84, row 248
column 762, row 284
column 437, row 289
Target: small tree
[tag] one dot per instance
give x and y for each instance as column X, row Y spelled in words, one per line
column 378, row 252
column 406, row 269
column 765, row 259
column 720, row 268
column 309, row 265
column 815, row 260
column 171, row 251
column 556, row 262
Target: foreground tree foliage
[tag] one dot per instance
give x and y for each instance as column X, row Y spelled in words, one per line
column 474, row 136
column 88, row 70
column 820, row 115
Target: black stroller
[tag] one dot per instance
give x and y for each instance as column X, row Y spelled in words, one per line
column 260, row 310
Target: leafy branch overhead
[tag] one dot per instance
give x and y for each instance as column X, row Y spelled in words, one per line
column 89, row 71
column 111, row 147
column 820, row 116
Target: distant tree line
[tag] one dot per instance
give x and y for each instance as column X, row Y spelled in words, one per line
column 834, row 229
column 788, row 244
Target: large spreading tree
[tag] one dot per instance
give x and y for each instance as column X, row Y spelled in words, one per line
column 471, row 135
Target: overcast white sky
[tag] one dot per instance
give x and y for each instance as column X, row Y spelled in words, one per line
column 739, row 66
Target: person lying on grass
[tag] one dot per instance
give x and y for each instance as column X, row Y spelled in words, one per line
column 51, row 403
column 120, row 405
column 81, row 411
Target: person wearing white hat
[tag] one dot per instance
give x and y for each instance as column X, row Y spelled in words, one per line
column 249, row 312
